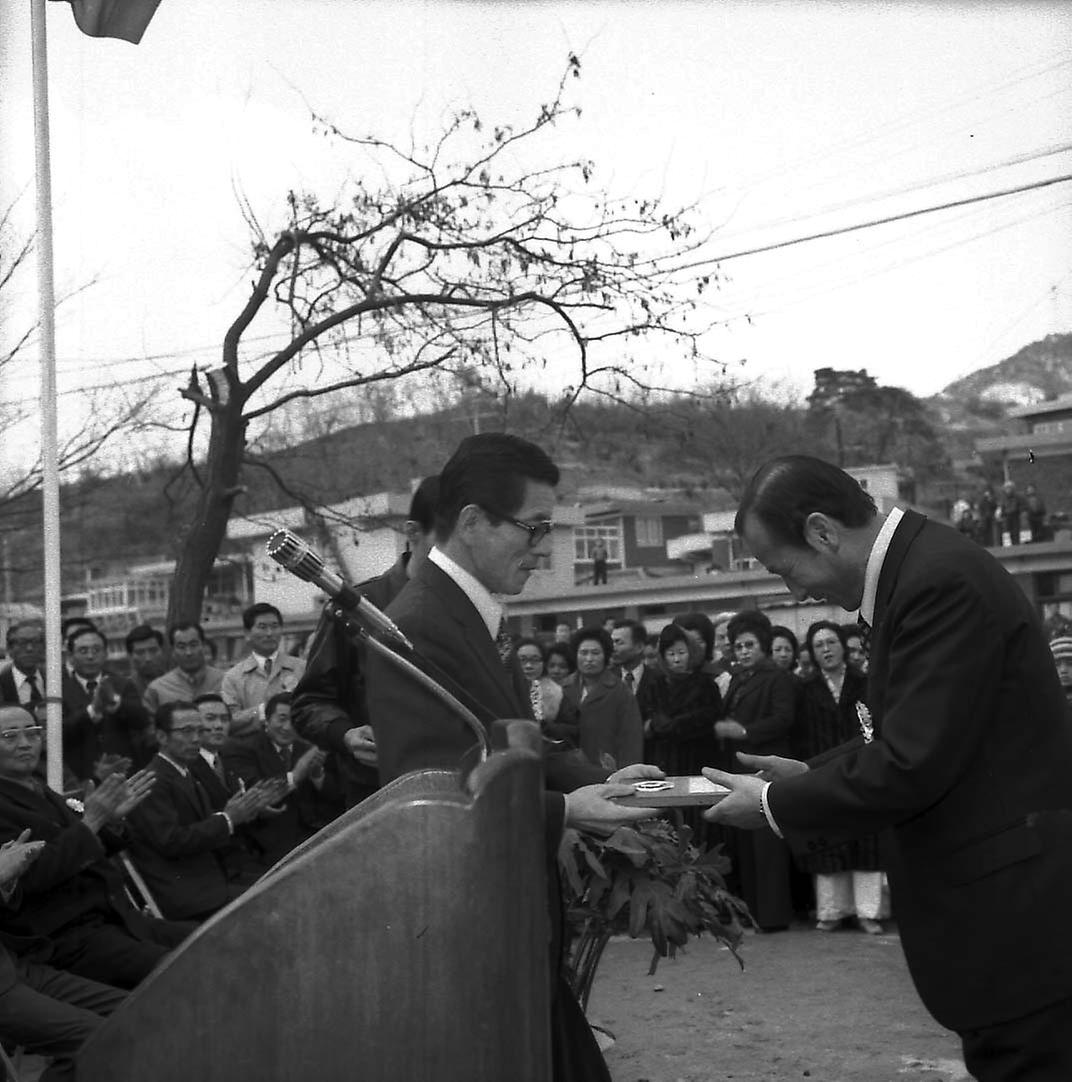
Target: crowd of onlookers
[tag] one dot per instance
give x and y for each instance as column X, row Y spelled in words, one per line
column 1007, row 517
column 184, row 782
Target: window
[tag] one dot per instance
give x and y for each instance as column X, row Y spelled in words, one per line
column 585, row 537
column 649, row 532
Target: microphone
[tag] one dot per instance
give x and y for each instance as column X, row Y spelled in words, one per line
column 292, row 553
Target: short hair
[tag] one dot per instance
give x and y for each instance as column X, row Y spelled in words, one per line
column 599, row 634
column 282, row 698
column 75, row 621
column 211, row 697
column 669, row 635
column 697, row 621
column 823, row 625
column 142, row 633
column 85, row 629
column 490, row 470
column 565, row 651
column 185, row 625
column 528, row 640
column 851, row 631
column 785, row 491
column 751, row 620
column 639, row 631
column 13, row 630
column 779, row 631
column 422, row 507
column 164, row 718
column 261, row 608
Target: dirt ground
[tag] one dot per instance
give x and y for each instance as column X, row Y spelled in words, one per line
column 836, row 1007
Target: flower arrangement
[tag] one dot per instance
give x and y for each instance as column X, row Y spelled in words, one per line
column 644, row 878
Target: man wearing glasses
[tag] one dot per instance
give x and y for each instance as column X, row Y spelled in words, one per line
column 22, row 682
column 493, row 526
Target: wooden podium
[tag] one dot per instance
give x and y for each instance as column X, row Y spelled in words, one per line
column 406, row 942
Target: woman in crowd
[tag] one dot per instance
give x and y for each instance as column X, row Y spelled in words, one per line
column 848, row 879
column 703, row 637
column 679, row 704
column 784, row 649
column 556, row 714
column 610, row 729
column 559, row 663
column 757, row 718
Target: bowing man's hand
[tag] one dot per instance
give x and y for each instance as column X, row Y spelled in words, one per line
column 591, row 808
column 742, row 808
column 772, row 767
column 637, row 772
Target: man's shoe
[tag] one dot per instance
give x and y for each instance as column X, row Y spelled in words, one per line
column 827, row 925
column 871, row 927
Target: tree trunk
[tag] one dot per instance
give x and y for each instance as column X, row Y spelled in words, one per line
column 201, row 542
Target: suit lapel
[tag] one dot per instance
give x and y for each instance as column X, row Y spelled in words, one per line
column 473, row 631
column 907, row 530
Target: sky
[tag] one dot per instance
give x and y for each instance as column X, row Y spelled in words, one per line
column 778, row 120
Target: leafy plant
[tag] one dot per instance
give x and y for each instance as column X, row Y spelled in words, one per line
column 647, row 878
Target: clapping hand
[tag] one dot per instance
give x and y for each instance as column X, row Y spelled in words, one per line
column 310, row 763
column 16, row 856
column 109, row 764
column 257, row 800
column 115, row 798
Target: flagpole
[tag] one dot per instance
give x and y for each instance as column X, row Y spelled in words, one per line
column 50, row 486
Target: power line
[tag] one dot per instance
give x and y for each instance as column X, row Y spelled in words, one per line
column 874, row 222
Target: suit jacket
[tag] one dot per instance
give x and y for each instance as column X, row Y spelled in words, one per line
column 9, row 693
column 180, row 846
column 245, row 687
column 273, row 837
column 609, row 720
column 126, row 732
column 968, row 773
column 331, row 697
column 72, row 879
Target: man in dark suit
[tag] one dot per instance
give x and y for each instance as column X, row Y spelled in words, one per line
column 493, row 523
column 72, row 893
column 178, row 842
column 330, row 708
column 964, row 761
column 22, row 681
column 105, row 724
column 629, row 637
column 278, row 753
column 47, row 1011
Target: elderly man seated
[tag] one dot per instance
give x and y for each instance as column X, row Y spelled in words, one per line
column 179, row 843
column 72, row 893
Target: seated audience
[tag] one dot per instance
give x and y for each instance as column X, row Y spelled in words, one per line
column 191, row 674
column 279, row 755
column 219, row 781
column 266, row 671
column 72, row 893
column 611, row 733
column 106, row 727
column 556, row 714
column 46, row 1011
column 179, row 844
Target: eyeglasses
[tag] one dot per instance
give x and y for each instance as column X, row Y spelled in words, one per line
column 10, row 737
column 537, row 531
column 26, row 642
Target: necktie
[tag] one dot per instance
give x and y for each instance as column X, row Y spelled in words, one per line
column 200, row 797
column 268, row 667
column 91, row 688
column 31, row 691
column 284, row 754
column 865, row 636
column 217, row 765
column 630, row 681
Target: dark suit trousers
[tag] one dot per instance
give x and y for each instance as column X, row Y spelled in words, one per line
column 53, row 1013
column 1035, row 1048
column 103, row 950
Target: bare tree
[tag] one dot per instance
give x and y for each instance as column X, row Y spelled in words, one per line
column 438, row 260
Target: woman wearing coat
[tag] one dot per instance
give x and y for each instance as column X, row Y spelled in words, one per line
column 757, row 716
column 610, row 729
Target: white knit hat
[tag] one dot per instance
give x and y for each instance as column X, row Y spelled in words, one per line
column 1061, row 647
